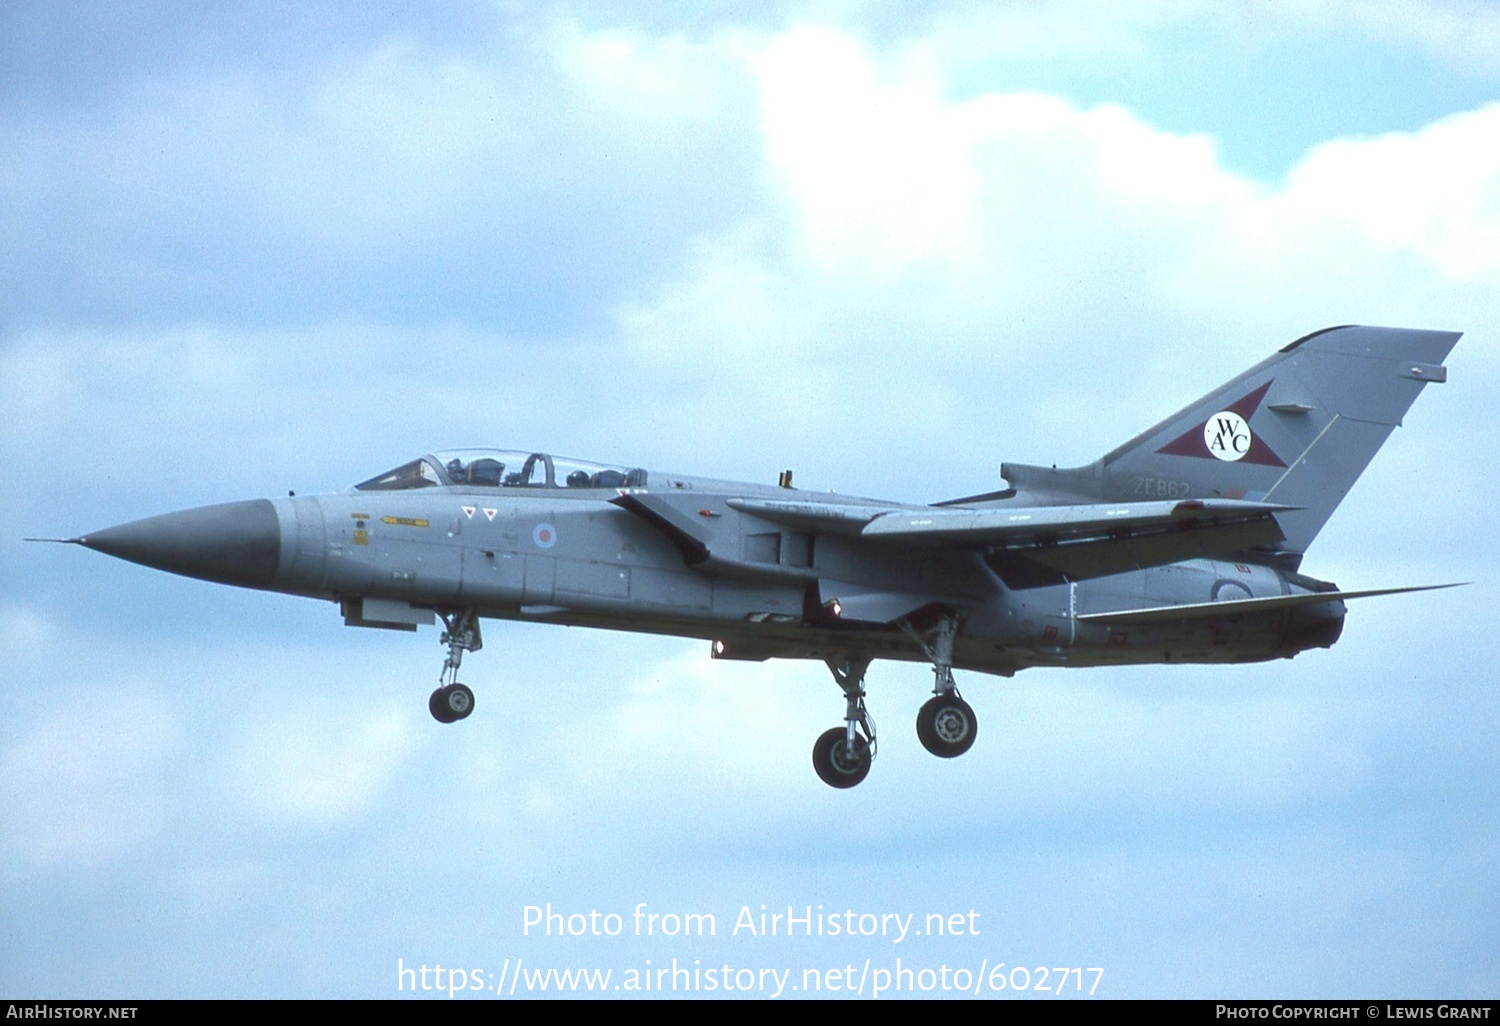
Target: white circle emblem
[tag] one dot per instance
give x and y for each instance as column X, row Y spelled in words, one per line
column 545, row 536
column 1227, row 436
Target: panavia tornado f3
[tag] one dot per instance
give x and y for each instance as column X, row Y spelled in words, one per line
column 1183, row 545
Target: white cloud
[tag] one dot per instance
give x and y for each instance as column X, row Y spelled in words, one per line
column 24, row 630
column 872, row 152
column 924, row 259
column 90, row 780
column 664, row 85
column 875, row 169
column 313, row 765
column 1433, row 193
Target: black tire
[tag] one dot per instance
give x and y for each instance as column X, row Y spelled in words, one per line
column 836, row 766
column 947, row 726
column 438, row 706
column 451, row 703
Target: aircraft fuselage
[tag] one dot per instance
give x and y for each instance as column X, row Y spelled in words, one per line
column 1181, row 545
column 575, row 557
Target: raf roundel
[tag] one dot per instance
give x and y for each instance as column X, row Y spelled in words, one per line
column 545, row 536
column 1227, row 436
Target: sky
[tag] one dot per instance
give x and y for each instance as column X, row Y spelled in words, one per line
column 252, row 248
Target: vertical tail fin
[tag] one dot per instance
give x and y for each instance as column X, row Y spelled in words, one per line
column 1297, row 429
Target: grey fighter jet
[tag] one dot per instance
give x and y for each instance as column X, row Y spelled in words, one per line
column 1183, row 545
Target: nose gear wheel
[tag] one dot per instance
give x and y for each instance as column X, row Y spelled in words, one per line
column 453, row 701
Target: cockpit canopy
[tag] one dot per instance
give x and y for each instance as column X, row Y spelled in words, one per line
column 501, row 468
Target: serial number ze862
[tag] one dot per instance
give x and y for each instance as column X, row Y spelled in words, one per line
column 1161, row 488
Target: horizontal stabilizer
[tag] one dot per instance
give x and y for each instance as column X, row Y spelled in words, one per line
column 1158, row 614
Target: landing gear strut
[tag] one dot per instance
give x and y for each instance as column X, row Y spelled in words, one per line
column 946, row 724
column 452, row 700
column 842, row 755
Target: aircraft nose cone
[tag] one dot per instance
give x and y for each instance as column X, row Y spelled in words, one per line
column 233, row 543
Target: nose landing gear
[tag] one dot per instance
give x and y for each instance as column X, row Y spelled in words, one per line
column 450, row 703
column 453, row 701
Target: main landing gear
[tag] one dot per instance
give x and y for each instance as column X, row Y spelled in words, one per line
column 842, row 755
column 946, row 724
column 452, row 700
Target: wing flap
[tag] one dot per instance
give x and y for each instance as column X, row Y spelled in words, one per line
column 1033, row 565
column 1041, row 545
column 1026, row 546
